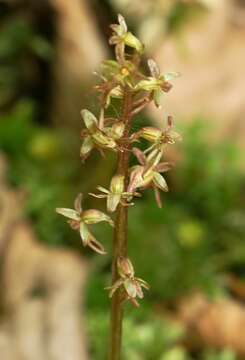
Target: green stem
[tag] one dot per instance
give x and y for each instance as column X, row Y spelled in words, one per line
column 120, row 234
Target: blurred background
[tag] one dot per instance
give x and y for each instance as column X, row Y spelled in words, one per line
column 192, row 252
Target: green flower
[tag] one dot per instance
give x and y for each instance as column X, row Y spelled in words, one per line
column 156, row 83
column 121, row 37
column 130, row 285
column 148, row 173
column 116, row 195
column 79, row 220
column 114, row 77
column 159, row 138
column 93, row 136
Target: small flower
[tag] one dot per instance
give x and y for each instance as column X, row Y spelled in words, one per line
column 79, row 219
column 158, row 137
column 130, row 285
column 156, row 83
column 121, row 37
column 109, row 89
column 116, row 130
column 114, row 77
column 116, row 195
column 112, row 70
column 94, row 137
column 147, row 174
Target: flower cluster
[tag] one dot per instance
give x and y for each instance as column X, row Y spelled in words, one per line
column 123, row 79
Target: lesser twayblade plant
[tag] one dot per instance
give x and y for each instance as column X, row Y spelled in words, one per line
column 123, row 79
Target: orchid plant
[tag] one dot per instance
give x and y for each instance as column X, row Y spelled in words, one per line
column 123, row 79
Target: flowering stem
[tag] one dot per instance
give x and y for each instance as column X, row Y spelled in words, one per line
column 120, row 232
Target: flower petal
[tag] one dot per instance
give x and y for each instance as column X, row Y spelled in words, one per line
column 164, row 166
column 84, row 233
column 94, row 216
column 154, row 69
column 134, row 42
column 150, row 133
column 150, row 84
column 86, row 147
column 96, row 246
column 171, row 75
column 122, row 23
column 143, row 283
column 139, row 155
column 117, row 184
column 69, row 213
column 130, row 288
column 157, row 96
column 158, row 197
column 102, row 140
column 115, row 286
column 117, row 130
column 78, row 203
column 125, row 267
column 113, row 201
column 136, row 179
column 98, row 196
column 89, row 119
column 102, row 189
column 138, row 290
column 159, row 181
